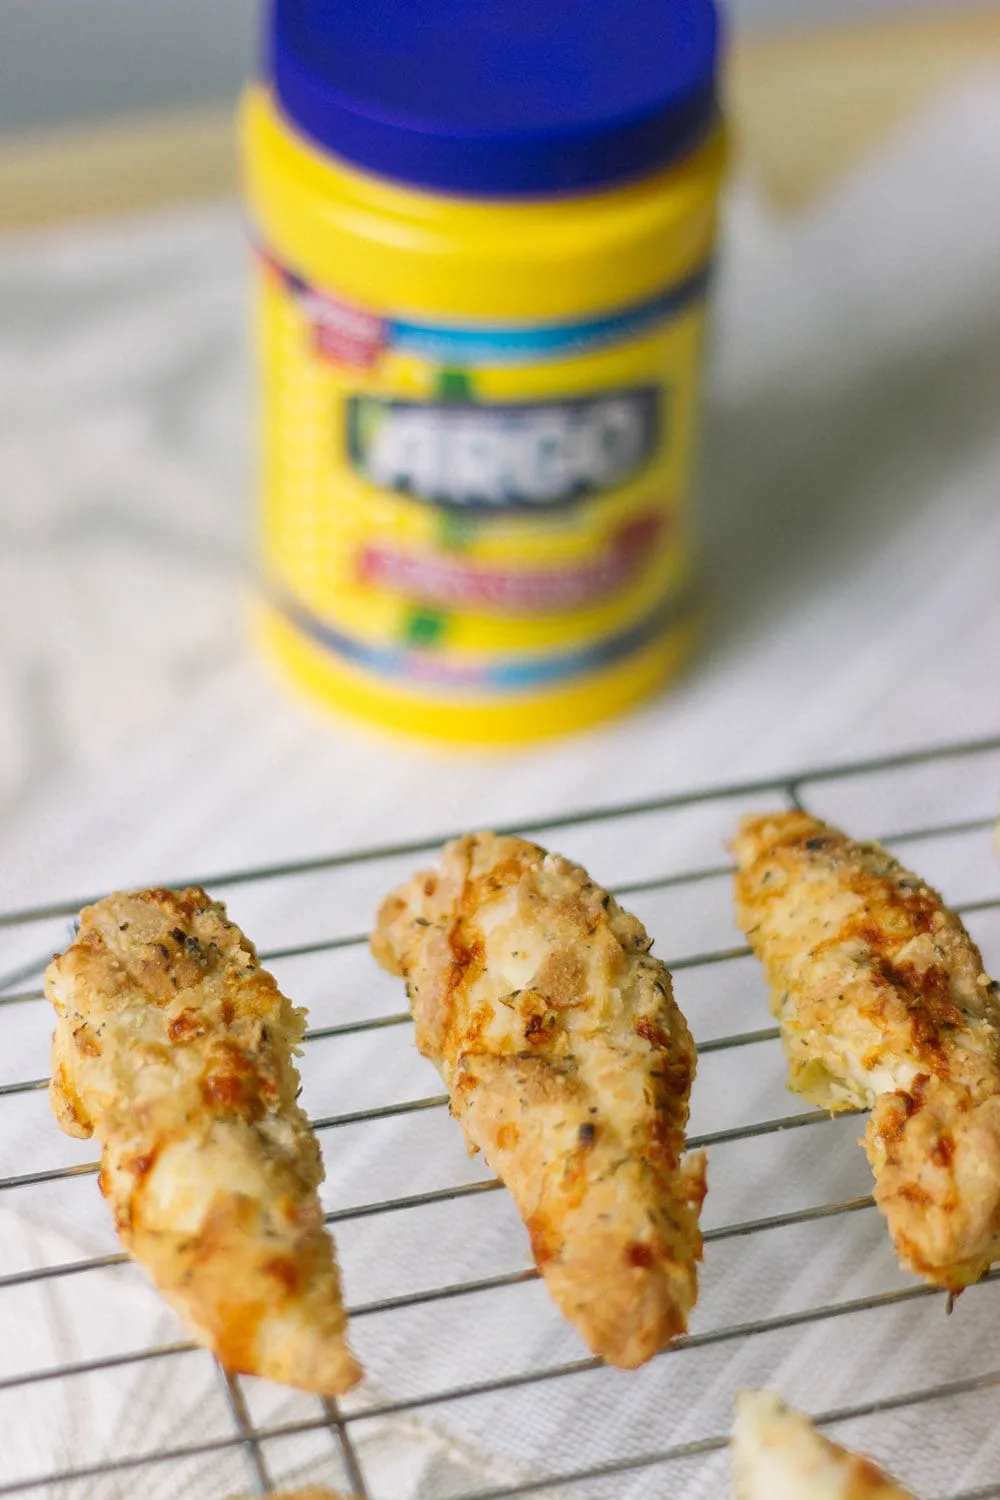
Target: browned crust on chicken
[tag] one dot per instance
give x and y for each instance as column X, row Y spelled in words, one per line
column 569, row 1065
column 312, row 1494
column 778, row 1454
column 884, row 1004
column 174, row 1047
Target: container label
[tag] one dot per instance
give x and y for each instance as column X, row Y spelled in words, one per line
column 460, row 584
column 477, row 509
column 468, row 346
column 505, row 456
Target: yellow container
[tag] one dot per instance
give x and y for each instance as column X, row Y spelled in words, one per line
column 478, row 421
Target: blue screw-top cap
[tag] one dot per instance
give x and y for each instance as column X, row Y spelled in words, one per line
column 499, row 98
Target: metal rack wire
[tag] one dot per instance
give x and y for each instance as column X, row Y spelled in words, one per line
column 250, row 1436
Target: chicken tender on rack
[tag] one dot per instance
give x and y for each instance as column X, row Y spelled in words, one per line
column 569, row 1065
column 883, row 1004
column 777, row 1454
column 174, row 1047
column 312, row 1494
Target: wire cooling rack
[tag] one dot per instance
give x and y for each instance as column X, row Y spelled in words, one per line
column 936, row 807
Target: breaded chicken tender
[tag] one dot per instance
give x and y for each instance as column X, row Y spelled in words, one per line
column 174, row 1047
column 308, row 1494
column 883, row 1004
column 569, row 1066
column 777, row 1454
column 313, row 1494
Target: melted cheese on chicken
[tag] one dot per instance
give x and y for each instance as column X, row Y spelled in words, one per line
column 174, row 1047
column 777, row 1454
column 883, row 1004
column 569, row 1065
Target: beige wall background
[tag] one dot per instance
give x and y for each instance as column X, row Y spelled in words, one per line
column 108, row 106
column 74, row 60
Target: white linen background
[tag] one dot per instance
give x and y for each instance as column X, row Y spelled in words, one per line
column 851, row 510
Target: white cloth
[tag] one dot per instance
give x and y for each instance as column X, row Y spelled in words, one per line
column 852, row 542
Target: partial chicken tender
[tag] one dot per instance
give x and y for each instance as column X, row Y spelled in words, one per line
column 569, row 1066
column 883, row 1004
column 174, row 1047
column 777, row 1454
column 312, row 1494
column 309, row 1494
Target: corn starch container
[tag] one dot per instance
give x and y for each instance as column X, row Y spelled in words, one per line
column 484, row 232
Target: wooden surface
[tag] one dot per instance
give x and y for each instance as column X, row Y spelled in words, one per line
column 807, row 105
column 804, row 105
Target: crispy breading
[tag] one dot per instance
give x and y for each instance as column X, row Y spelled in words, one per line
column 310, row 1494
column 569, row 1065
column 883, row 1004
column 777, row 1454
column 174, row 1047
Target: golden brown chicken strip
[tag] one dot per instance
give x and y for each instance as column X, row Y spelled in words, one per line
column 308, row 1494
column 312, row 1494
column 569, row 1066
column 174, row 1047
column 883, row 1004
column 777, row 1454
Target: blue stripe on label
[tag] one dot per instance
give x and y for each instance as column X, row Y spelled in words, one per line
column 468, row 345
column 427, row 669
column 499, row 344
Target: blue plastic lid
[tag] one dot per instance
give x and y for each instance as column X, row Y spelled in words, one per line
column 499, row 97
